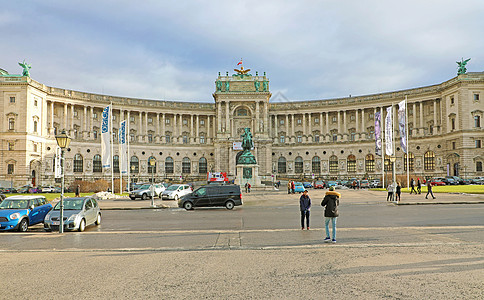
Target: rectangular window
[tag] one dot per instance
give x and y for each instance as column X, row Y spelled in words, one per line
column 94, row 133
column 452, row 121
column 35, row 147
column 12, row 99
column 335, row 138
column 431, row 129
column 168, row 140
column 75, row 113
column 150, row 120
column 114, row 117
column 334, row 119
column 185, row 139
column 185, row 122
column 299, row 139
column 10, row 168
column 167, row 121
column 282, row 139
column 131, row 137
column 316, row 138
column 10, row 146
column 202, row 122
column 371, row 116
column 94, row 115
column 36, row 102
column 452, row 100
column 478, row 166
column 352, row 136
column 299, row 121
column 202, row 139
column 281, row 121
column 478, row 143
column 453, row 145
column 477, row 121
column 316, row 120
column 352, row 117
column 131, row 119
column 476, row 97
column 11, row 124
column 150, row 138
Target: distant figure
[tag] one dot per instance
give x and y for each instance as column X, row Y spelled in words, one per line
column 289, row 186
column 390, row 192
column 419, row 186
column 412, row 185
column 398, row 192
column 293, row 187
column 78, row 191
column 248, row 186
column 305, row 207
column 331, row 203
column 429, row 190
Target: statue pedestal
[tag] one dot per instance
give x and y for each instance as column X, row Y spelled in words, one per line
column 248, row 174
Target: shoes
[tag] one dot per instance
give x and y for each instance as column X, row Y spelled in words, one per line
column 302, row 228
column 327, row 240
column 333, row 241
column 308, row 227
column 433, row 198
column 426, row 198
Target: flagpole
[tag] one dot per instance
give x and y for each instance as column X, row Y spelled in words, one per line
column 112, row 149
column 407, row 144
column 127, row 156
column 394, row 169
column 382, row 147
column 119, row 160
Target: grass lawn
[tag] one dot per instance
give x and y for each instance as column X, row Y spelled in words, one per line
column 468, row 189
column 52, row 196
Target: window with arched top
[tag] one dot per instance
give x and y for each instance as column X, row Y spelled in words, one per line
column 78, row 163
column 97, row 164
column 388, row 164
column 351, row 164
column 202, row 165
column 134, row 165
column 369, row 163
column 281, row 165
column 411, row 158
column 429, row 161
column 186, row 166
column 298, row 164
column 151, row 168
column 169, row 166
column 316, row 165
column 333, row 164
column 242, row 112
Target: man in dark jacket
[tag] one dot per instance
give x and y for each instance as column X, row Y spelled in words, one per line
column 331, row 202
column 305, row 207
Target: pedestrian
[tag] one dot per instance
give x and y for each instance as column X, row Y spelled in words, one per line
column 429, row 190
column 390, row 192
column 412, row 185
column 78, row 190
column 419, row 186
column 293, row 187
column 248, row 186
column 330, row 202
column 398, row 192
column 289, row 187
column 354, row 184
column 305, row 207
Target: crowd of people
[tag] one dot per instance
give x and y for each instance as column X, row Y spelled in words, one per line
column 394, row 191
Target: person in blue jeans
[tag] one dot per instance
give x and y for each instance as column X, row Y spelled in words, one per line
column 305, row 207
column 330, row 204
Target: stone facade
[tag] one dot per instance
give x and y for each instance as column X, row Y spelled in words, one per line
column 328, row 138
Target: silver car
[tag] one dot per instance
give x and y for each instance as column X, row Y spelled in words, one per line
column 78, row 214
column 144, row 191
column 176, row 191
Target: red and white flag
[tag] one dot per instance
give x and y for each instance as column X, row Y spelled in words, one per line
column 240, row 62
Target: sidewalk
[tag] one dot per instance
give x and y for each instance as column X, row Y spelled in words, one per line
column 274, row 197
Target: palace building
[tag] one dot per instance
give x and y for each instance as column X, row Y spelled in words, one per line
column 332, row 138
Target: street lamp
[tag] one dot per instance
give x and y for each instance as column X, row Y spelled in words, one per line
column 152, row 164
column 393, row 158
column 132, row 172
column 63, row 141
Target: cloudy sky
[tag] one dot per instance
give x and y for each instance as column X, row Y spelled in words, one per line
column 174, row 49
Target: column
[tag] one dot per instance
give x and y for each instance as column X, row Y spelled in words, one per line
column 257, row 118
column 128, row 127
column 292, row 128
column 157, row 128
column 304, row 125
column 414, row 117
column 174, row 133
column 192, row 137
column 276, row 134
column 421, row 130
column 162, row 133
column 71, row 125
column 339, row 123
column 227, row 118
column 51, row 117
column 197, row 128
column 435, row 117
column 327, row 123
column 345, row 129
column 140, row 127
column 91, row 121
column 146, row 124
column 180, row 127
column 287, row 129
column 363, row 126
column 357, row 129
column 321, row 127
column 310, row 132
column 64, row 125
column 84, row 123
column 219, row 116
column 266, row 115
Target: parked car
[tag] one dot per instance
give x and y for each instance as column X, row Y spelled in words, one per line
column 2, row 197
column 364, row 184
column 47, row 189
column 307, row 185
column 144, row 191
column 10, row 190
column 227, row 195
column 436, row 181
column 20, row 212
column 176, row 191
column 298, row 187
column 79, row 213
column 319, row 184
column 331, row 183
column 375, row 183
column 457, row 179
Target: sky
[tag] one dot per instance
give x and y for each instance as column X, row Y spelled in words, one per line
column 173, row 50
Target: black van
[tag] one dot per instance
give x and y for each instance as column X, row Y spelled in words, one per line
column 227, row 195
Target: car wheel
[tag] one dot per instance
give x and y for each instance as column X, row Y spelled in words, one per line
column 144, row 196
column 229, row 205
column 82, row 226
column 23, row 226
column 188, row 205
column 176, row 198
column 47, row 229
column 98, row 219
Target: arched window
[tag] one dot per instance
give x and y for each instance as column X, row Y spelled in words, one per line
column 316, row 165
column 97, row 164
column 429, row 161
column 410, row 161
column 151, row 169
column 369, row 163
column 116, row 163
column 388, row 164
column 169, row 165
column 134, row 165
column 202, row 165
column 351, row 163
column 35, row 126
column 78, row 163
column 333, row 164
column 298, row 164
column 186, row 166
column 281, row 165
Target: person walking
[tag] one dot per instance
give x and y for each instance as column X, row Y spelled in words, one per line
column 305, row 207
column 293, row 187
column 330, row 204
column 412, row 185
column 429, row 190
column 78, row 191
column 419, row 186
column 390, row 192
column 248, row 186
column 398, row 192
column 289, row 187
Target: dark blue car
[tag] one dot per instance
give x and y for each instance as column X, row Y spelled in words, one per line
column 20, row 212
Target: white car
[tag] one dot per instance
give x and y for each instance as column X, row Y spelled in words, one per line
column 175, row 191
column 48, row 189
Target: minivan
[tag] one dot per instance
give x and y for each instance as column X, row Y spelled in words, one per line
column 227, row 195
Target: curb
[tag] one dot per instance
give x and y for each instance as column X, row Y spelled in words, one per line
column 439, row 203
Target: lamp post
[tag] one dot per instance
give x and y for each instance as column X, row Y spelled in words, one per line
column 132, row 171
column 152, row 164
column 63, row 141
column 392, row 160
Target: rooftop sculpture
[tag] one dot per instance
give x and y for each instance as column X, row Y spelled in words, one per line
column 462, row 66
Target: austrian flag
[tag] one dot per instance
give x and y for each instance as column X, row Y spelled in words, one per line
column 240, row 62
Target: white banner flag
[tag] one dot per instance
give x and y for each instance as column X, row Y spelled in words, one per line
column 106, row 137
column 389, row 131
column 123, row 162
column 58, row 163
column 401, row 125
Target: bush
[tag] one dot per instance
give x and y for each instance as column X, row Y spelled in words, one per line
column 100, row 185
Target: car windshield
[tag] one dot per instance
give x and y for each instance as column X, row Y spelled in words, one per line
column 144, row 187
column 172, row 187
column 298, row 183
column 14, row 204
column 70, row 204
